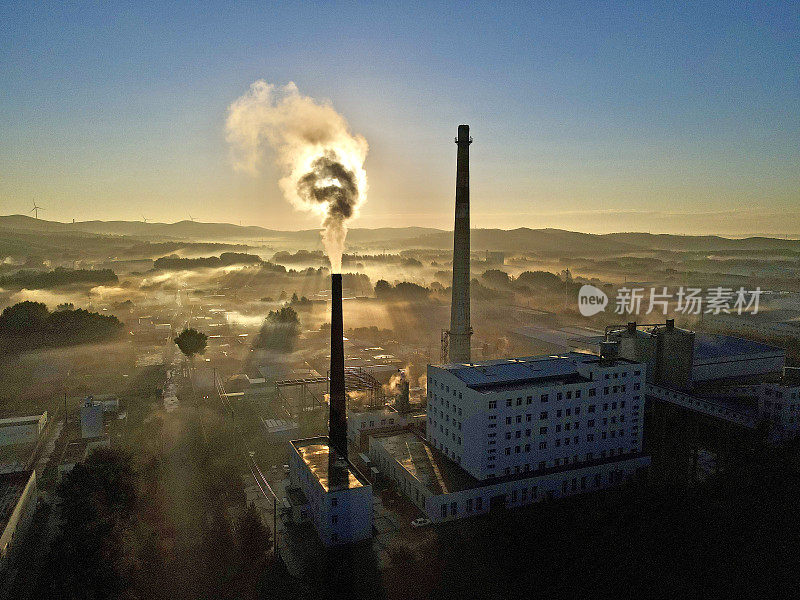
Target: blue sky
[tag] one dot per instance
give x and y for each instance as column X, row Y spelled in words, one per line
column 588, row 116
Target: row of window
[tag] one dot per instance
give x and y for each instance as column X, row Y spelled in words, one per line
column 564, row 461
column 525, row 494
column 559, row 396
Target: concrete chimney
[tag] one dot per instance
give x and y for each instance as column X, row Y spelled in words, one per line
column 460, row 330
column 337, row 422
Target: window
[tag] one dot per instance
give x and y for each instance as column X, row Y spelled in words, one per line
column 528, row 417
column 527, row 447
column 444, row 510
column 543, row 430
column 469, row 504
column 558, row 413
column 590, row 423
column 529, row 399
column 492, row 404
column 508, row 420
column 519, row 401
column 544, row 398
column 605, row 390
column 577, row 395
column 577, row 410
column 334, row 519
column 334, row 501
column 543, row 415
column 559, row 396
column 519, row 418
column 591, row 408
column 542, row 446
column 592, row 392
column 508, row 402
column 508, row 451
column 478, row 503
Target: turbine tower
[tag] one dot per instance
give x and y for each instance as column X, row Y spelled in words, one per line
column 35, row 210
column 460, row 329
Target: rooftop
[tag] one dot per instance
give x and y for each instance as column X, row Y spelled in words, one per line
column 20, row 420
column 497, row 375
column 428, row 466
column 330, row 469
column 709, row 346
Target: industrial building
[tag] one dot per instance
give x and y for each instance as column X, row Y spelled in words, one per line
column 22, row 430
column 330, row 492
column 442, row 490
column 506, row 417
column 681, row 359
column 325, row 486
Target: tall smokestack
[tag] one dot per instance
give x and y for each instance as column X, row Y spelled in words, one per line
column 337, row 425
column 460, row 330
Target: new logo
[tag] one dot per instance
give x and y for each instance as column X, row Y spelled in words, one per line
column 591, row 300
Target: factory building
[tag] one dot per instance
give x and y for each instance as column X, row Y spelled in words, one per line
column 506, row 433
column 680, row 359
column 22, row 430
column 333, row 495
column 325, row 487
column 506, row 417
column 443, row 491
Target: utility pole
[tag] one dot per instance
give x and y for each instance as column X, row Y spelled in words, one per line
column 65, row 411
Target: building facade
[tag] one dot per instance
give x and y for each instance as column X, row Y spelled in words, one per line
column 338, row 499
column 526, row 415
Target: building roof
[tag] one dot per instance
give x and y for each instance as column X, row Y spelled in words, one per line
column 510, row 373
column 332, row 471
column 711, row 347
column 425, row 464
column 11, row 421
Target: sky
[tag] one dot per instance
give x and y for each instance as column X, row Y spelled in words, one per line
column 594, row 117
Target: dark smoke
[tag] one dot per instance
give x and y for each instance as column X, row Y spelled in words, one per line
column 330, row 182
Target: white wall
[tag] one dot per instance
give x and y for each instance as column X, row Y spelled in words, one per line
column 339, row 517
column 554, row 432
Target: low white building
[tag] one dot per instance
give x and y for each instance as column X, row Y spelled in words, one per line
column 444, row 491
column 367, row 422
column 338, row 497
column 22, row 430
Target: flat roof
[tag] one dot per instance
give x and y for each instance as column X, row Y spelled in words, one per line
column 11, row 487
column 497, row 375
column 442, row 476
column 425, row 464
column 20, row 420
column 711, row 346
column 331, row 470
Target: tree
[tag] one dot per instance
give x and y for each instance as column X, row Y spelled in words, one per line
column 254, row 538
column 279, row 331
column 191, row 342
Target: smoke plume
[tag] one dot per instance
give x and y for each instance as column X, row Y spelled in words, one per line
column 322, row 162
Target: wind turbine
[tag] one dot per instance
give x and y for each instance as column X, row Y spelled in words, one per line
column 191, row 218
column 35, row 210
column 144, row 219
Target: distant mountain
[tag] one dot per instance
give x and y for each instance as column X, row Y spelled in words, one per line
column 553, row 242
column 197, row 231
column 542, row 241
column 701, row 243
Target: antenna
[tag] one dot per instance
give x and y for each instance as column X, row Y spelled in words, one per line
column 35, row 210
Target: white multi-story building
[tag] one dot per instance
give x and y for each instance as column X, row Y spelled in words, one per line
column 329, row 491
column 507, row 433
column 524, row 415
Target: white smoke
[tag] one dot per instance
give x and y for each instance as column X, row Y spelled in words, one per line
column 323, row 163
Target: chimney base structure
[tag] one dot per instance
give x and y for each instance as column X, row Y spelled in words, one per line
column 460, row 329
